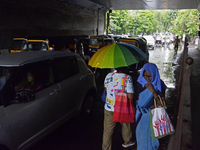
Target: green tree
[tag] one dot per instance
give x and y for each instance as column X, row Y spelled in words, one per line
column 187, row 21
column 134, row 22
column 163, row 19
column 150, row 21
column 142, row 22
column 119, row 22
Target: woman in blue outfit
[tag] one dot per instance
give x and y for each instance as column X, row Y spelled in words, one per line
column 149, row 86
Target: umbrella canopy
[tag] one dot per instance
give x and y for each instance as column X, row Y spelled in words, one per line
column 117, row 55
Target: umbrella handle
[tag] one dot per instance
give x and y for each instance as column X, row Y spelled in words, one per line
column 95, row 69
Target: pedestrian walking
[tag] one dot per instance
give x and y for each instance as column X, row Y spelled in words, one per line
column 149, row 86
column 113, row 83
column 176, row 43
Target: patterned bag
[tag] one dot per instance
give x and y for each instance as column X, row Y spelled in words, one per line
column 124, row 110
column 160, row 123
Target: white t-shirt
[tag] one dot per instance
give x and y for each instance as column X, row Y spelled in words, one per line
column 114, row 83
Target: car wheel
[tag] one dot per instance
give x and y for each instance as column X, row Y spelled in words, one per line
column 88, row 104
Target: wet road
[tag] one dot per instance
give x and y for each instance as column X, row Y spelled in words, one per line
column 86, row 133
column 167, row 61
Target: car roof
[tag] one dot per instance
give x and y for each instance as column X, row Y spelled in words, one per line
column 148, row 36
column 22, row 58
column 16, row 38
column 133, row 38
column 100, row 36
column 38, row 41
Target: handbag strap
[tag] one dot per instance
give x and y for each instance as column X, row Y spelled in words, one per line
column 160, row 101
column 124, row 83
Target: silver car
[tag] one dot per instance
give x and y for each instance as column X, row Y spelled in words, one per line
column 39, row 91
column 150, row 41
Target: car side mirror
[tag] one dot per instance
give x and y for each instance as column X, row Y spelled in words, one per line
column 24, row 96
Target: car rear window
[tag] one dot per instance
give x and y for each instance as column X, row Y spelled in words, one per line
column 19, row 45
column 37, row 46
column 96, row 41
column 108, row 42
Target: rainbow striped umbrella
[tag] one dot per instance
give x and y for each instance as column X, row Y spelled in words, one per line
column 117, row 55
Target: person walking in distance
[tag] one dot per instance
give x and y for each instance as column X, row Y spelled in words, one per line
column 176, row 43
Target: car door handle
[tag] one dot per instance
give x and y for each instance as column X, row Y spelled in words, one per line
column 82, row 77
column 54, row 92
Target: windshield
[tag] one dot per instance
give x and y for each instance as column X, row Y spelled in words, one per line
column 96, row 42
column 19, row 45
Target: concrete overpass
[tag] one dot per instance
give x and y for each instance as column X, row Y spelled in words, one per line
column 138, row 4
column 20, row 18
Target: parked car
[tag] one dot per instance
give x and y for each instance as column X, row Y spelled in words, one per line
column 39, row 93
column 141, row 43
column 150, row 41
column 25, row 44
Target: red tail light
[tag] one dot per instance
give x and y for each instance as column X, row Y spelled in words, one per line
column 90, row 71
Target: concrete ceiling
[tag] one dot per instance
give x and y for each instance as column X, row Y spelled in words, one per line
column 105, row 5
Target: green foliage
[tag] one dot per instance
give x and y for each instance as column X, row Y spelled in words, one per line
column 163, row 19
column 187, row 21
column 151, row 21
column 143, row 23
column 119, row 21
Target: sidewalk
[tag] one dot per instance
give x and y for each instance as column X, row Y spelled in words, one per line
column 195, row 95
column 188, row 120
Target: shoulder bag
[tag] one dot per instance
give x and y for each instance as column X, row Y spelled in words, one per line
column 124, row 110
column 160, row 122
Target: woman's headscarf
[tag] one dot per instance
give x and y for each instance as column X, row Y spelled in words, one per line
column 153, row 70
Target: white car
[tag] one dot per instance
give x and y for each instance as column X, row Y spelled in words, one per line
column 150, row 41
column 61, row 86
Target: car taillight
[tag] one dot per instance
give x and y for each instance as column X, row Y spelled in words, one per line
column 90, row 71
